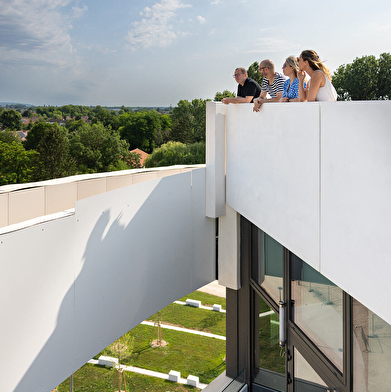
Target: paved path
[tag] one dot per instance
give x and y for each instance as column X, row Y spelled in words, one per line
column 214, row 288
column 192, row 331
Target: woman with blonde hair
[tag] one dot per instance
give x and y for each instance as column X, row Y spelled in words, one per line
column 291, row 85
column 319, row 88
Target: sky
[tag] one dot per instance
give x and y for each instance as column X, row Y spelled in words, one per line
column 157, row 52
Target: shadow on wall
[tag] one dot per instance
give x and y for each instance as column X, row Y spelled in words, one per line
column 140, row 254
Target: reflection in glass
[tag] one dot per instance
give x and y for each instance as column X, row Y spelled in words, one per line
column 306, row 379
column 317, row 310
column 371, row 351
column 268, row 265
column 271, row 356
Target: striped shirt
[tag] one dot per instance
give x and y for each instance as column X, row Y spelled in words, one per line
column 276, row 87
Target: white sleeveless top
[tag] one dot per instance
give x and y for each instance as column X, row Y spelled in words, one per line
column 327, row 92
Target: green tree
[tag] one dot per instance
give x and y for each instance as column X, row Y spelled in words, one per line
column 11, row 119
column 199, row 115
column 253, row 72
column 163, row 133
column 16, row 164
column 96, row 148
column 188, row 121
column 364, row 79
column 140, row 129
column 225, row 94
column 384, row 76
column 9, row 137
column 176, row 153
column 51, row 141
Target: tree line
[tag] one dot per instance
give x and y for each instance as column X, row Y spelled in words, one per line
column 101, row 144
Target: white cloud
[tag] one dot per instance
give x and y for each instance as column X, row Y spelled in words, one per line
column 78, row 12
column 155, row 29
column 216, row 2
column 36, row 33
column 272, row 45
column 201, row 19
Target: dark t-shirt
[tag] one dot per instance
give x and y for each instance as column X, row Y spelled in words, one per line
column 250, row 88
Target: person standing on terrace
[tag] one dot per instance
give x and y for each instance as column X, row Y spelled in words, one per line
column 248, row 89
column 272, row 84
column 291, row 85
column 319, row 88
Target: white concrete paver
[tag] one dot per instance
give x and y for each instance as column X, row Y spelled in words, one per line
column 150, row 373
column 192, row 331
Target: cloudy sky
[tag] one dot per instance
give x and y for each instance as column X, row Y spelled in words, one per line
column 156, row 52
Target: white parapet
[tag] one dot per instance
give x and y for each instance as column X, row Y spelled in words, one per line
column 217, row 308
column 174, row 376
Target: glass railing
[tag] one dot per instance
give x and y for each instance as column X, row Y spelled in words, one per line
column 236, row 384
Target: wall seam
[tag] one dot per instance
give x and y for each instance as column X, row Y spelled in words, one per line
column 320, row 188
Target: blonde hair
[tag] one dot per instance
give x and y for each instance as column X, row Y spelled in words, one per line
column 292, row 61
column 314, row 62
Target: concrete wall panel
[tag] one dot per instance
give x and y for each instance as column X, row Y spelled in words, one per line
column 4, row 209
column 73, row 285
column 273, row 172
column 26, row 204
column 116, row 182
column 355, row 200
column 88, row 188
column 37, row 304
column 60, row 197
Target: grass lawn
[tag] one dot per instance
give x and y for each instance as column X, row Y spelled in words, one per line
column 185, row 353
column 192, row 318
column 205, row 298
column 91, row 378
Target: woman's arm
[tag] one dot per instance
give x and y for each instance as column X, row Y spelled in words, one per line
column 302, row 90
column 317, row 81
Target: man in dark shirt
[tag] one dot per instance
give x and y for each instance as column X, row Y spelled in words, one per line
column 248, row 89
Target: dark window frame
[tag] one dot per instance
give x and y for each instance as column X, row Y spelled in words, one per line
column 331, row 375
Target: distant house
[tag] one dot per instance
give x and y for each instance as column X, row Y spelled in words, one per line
column 22, row 134
column 143, row 155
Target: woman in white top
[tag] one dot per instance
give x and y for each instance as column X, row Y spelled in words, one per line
column 319, row 88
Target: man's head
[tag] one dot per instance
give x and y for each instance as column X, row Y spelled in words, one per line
column 240, row 75
column 266, row 68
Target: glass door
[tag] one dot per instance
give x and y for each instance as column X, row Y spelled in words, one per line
column 314, row 355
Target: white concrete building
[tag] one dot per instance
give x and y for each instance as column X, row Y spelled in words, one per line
column 300, row 195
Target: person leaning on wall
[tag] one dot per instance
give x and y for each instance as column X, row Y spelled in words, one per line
column 290, row 69
column 319, row 88
column 248, row 89
column 272, row 84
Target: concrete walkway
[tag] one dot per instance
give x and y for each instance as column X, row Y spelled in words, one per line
column 213, row 288
column 192, row 331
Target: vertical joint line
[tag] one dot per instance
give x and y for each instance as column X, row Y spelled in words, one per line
column 320, row 185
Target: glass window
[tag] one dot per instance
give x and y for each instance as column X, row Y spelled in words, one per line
column 371, row 351
column 306, row 379
column 271, row 355
column 318, row 309
column 267, row 265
